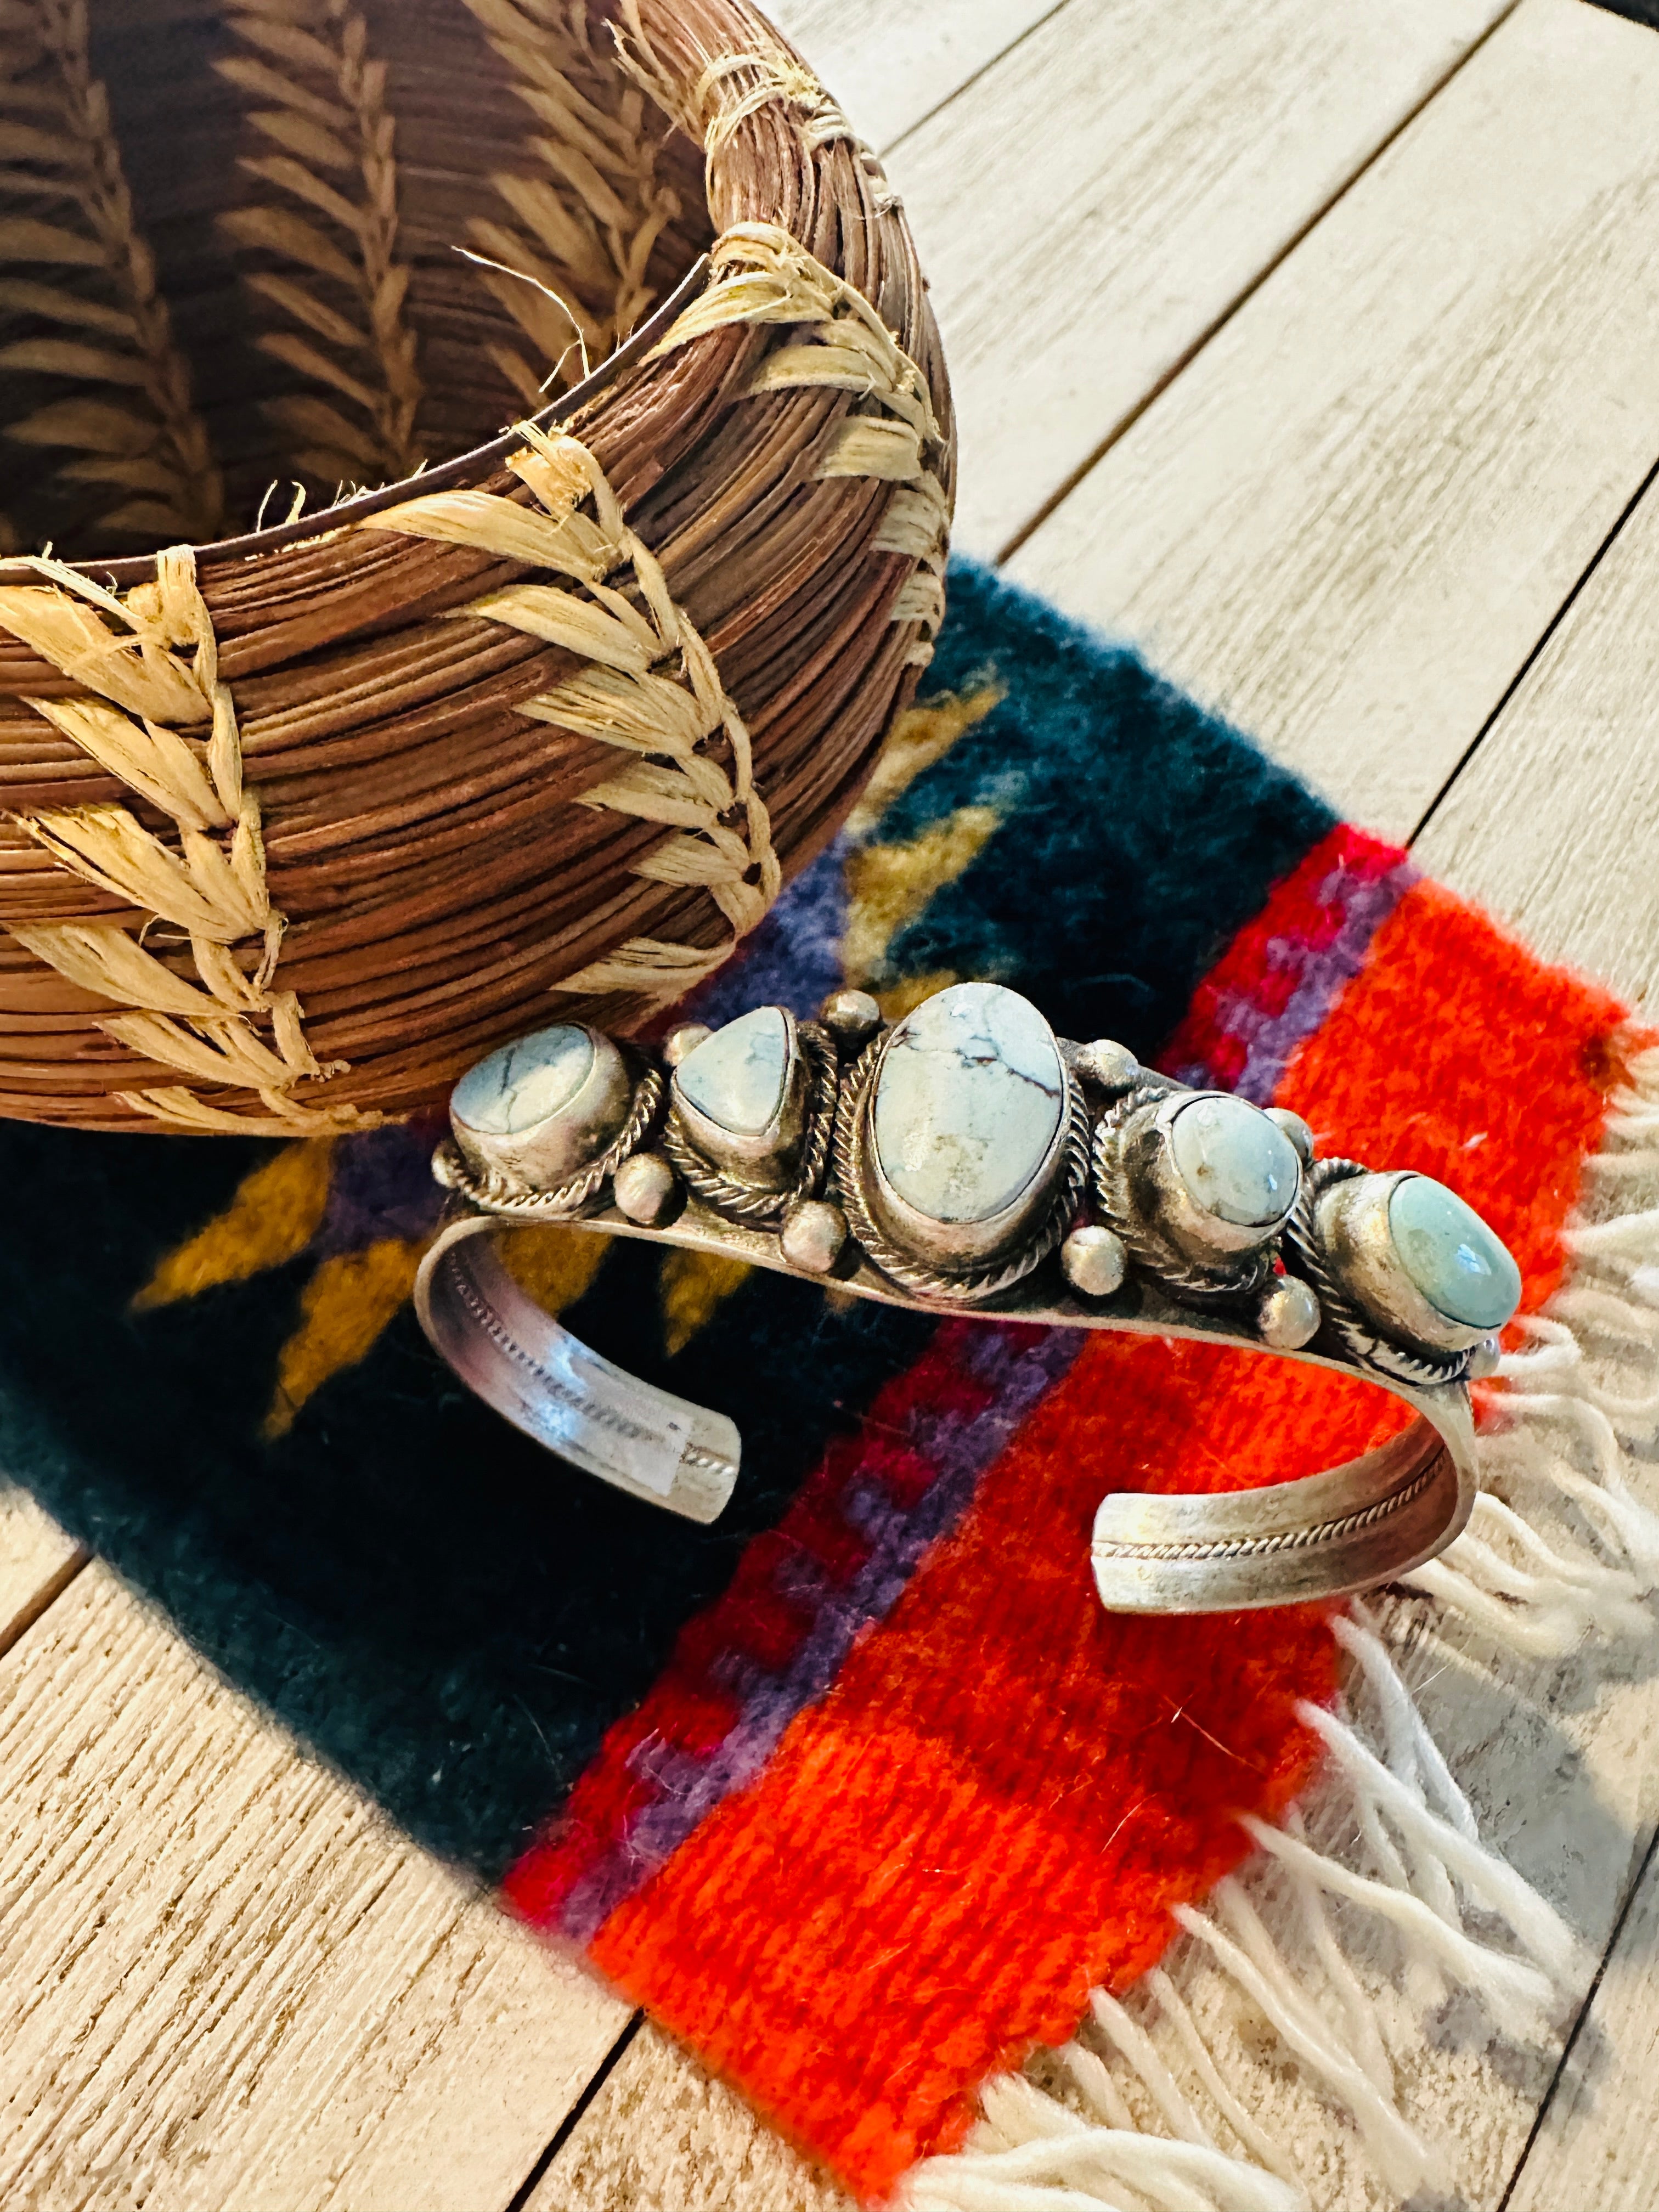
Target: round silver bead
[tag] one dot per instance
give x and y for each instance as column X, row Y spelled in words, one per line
column 1288, row 1316
column 852, row 1016
column 812, row 1236
column 1112, row 1065
column 684, row 1040
column 1095, row 1261
column 1296, row 1129
column 1483, row 1360
column 643, row 1187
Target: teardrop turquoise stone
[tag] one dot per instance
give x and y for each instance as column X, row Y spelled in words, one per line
column 736, row 1077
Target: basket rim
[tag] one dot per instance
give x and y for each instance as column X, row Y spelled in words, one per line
column 139, row 568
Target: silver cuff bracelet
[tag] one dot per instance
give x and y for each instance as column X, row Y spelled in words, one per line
column 965, row 1160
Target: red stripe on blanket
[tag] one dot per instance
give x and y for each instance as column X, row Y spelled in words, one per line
column 1282, row 973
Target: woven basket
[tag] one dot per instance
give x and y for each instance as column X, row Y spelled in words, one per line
column 299, row 822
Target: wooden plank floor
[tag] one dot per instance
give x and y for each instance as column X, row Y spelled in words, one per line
column 1311, row 346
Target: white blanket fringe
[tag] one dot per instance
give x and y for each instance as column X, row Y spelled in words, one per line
column 1035, row 2152
column 1559, row 1431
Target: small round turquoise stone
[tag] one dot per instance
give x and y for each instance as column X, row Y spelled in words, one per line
column 523, row 1083
column 1462, row 1270
column 1236, row 1163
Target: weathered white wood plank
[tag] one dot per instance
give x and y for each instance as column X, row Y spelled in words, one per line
column 1352, row 518
column 889, row 62
column 1090, row 207
column 227, row 1982
column 1555, row 821
column 662, row 2136
column 36, row 1560
column 1553, row 824
column 1596, row 2144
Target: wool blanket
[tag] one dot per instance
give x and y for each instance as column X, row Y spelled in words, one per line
column 859, row 1790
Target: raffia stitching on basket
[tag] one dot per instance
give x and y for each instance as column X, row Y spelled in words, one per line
column 732, row 88
column 328, row 118
column 762, row 275
column 735, row 87
column 738, row 86
column 132, row 424
column 149, row 665
column 651, row 689
column 590, row 219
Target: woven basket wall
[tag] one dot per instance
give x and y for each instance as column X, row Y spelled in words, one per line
column 297, row 825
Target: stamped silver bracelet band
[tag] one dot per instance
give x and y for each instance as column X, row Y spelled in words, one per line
column 967, row 1161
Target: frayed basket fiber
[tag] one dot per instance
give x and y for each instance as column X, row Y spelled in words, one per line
column 300, row 820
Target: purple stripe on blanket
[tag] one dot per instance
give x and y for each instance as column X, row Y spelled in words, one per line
column 1018, row 1366
column 1358, row 901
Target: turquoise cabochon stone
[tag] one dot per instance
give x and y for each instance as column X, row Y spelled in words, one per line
column 738, row 1076
column 1236, row 1163
column 1463, row 1270
column 523, row 1083
column 968, row 1103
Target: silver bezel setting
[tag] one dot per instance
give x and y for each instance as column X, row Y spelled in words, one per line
column 1352, row 1217
column 1336, row 1253
column 760, row 1159
column 760, row 1179
column 515, row 1199
column 1192, row 1228
column 553, row 1151
column 1062, row 1177
column 1142, row 1195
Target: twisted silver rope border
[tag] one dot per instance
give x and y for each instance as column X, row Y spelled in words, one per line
column 1304, row 1254
column 912, row 1274
column 1192, row 1280
column 742, row 1201
column 493, row 1193
column 1287, row 1539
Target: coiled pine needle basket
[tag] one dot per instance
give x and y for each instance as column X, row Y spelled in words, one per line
column 328, row 759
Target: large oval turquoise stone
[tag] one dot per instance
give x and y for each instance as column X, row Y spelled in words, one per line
column 522, row 1083
column 1236, row 1163
column 968, row 1102
column 1463, row 1269
column 736, row 1077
